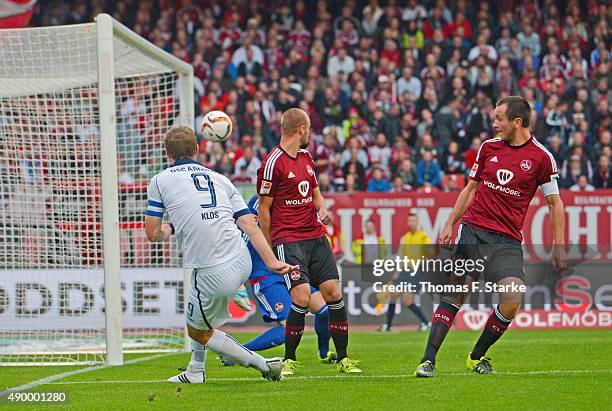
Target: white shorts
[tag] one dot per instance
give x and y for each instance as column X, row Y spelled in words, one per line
column 211, row 292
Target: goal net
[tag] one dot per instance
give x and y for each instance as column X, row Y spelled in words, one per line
column 83, row 111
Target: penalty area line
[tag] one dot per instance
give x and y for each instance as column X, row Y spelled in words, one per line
column 318, row 377
column 53, row 378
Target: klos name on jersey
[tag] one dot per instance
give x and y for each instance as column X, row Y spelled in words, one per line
column 203, row 206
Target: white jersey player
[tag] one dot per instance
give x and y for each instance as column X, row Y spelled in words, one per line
column 205, row 211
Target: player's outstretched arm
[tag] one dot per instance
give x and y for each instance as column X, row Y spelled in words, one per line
column 557, row 222
column 263, row 213
column 319, row 204
column 156, row 230
column 247, row 224
column 461, row 205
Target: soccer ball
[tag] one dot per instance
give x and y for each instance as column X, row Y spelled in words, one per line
column 216, row 126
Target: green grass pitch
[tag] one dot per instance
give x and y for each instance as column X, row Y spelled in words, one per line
column 547, row 369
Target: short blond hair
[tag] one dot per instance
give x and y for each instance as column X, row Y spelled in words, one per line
column 180, row 142
column 292, row 119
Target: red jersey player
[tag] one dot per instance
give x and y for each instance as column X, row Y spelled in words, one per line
column 491, row 208
column 291, row 210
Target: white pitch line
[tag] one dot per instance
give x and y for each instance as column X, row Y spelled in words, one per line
column 318, row 377
column 50, row 379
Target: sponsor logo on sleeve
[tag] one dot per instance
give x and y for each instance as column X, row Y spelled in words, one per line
column 265, row 187
column 474, row 170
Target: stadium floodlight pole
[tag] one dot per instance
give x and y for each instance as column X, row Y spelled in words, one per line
column 110, row 194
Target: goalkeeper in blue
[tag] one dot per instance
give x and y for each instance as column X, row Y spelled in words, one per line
column 274, row 302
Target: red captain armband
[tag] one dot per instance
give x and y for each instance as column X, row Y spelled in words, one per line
column 265, row 188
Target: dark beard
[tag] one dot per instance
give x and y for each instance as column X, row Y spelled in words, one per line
column 303, row 146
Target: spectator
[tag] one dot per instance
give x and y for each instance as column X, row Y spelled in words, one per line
column 413, row 37
column 406, row 172
column 605, row 141
column 414, row 12
column 391, row 52
column 325, row 155
column 397, row 185
column 242, row 177
column 371, row 17
column 446, row 122
column 603, row 175
column 378, row 182
column 249, row 66
column 452, row 160
column 341, row 62
column 380, row 152
column 571, row 171
column 241, row 55
column 225, row 166
column 529, row 38
column 557, row 121
column 369, row 246
column 357, row 170
column 428, row 171
column 452, row 184
column 351, row 183
column 556, row 148
column 254, row 63
column 324, row 183
column 582, row 184
column 408, row 82
column 353, row 152
column 482, row 49
column 470, row 155
column 249, row 161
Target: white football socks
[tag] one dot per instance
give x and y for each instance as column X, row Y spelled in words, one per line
column 225, row 345
column 198, row 357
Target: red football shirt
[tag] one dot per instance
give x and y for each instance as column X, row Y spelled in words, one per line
column 290, row 182
column 508, row 177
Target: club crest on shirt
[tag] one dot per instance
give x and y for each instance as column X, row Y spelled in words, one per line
column 309, row 169
column 504, row 176
column 525, row 165
column 303, row 187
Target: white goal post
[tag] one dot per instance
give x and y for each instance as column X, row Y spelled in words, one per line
column 83, row 111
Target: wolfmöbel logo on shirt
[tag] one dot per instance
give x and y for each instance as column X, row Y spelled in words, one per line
column 299, row 201
column 504, row 177
column 303, row 188
column 503, row 189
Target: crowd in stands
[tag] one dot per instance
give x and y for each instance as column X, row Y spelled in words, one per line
column 400, row 93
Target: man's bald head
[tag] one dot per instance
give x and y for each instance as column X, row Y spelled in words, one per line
column 292, row 120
